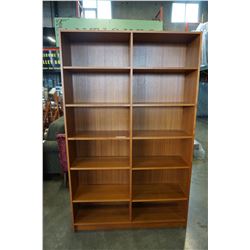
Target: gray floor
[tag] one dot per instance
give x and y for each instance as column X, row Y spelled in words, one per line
column 58, row 234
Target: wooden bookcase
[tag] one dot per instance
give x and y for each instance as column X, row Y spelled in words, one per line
column 130, row 111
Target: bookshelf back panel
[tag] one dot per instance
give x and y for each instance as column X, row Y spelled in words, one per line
column 160, row 211
column 103, row 213
column 163, row 118
column 156, row 88
column 174, row 176
column 159, row 55
column 98, row 54
column 177, row 147
column 100, row 148
column 101, row 177
column 97, row 119
column 161, row 37
column 99, row 88
column 166, row 50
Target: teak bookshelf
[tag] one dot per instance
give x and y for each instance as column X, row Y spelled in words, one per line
column 130, row 112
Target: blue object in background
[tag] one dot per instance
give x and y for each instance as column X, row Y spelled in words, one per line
column 202, row 110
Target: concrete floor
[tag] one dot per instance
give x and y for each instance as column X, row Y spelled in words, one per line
column 58, row 234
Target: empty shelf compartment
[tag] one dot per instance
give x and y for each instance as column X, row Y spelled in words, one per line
column 97, row 123
column 100, row 185
column 160, row 185
column 93, row 213
column 98, row 154
column 152, row 154
column 159, row 212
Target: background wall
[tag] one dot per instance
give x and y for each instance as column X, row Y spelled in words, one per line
column 147, row 10
column 53, row 9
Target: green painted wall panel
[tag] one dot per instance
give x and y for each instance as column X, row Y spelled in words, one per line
column 104, row 24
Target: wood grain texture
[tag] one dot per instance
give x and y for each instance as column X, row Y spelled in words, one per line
column 101, row 193
column 102, row 177
column 90, row 122
column 160, row 134
column 162, row 119
column 133, row 225
column 157, row 192
column 131, row 99
column 100, row 54
column 164, row 37
column 102, row 214
column 162, row 153
column 190, row 87
column 105, row 36
column 63, row 57
column 102, row 148
column 161, row 182
column 95, row 69
column 163, row 104
column 164, row 88
column 171, row 55
column 153, row 212
column 103, row 104
column 150, row 88
column 99, row 135
column 100, row 162
column 159, row 162
column 100, row 185
column 159, row 69
column 102, row 154
column 94, row 88
column 131, row 124
column 192, row 53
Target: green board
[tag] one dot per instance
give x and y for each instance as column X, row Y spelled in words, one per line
column 104, row 24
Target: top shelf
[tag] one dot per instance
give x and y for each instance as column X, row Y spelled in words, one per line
column 121, row 52
column 77, row 69
column 124, row 36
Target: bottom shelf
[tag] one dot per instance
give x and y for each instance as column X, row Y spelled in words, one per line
column 101, row 214
column 162, row 212
column 108, row 214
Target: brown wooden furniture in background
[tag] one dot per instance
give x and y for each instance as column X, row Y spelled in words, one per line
column 130, row 111
column 52, row 112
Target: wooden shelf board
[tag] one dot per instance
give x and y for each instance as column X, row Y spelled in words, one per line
column 88, row 163
column 159, row 162
column 132, row 225
column 164, row 37
column 72, row 105
column 166, row 104
column 101, row 193
column 141, row 104
column 102, row 214
column 164, row 69
column 158, row 213
column 100, row 135
column 77, row 69
column 157, row 192
column 160, row 134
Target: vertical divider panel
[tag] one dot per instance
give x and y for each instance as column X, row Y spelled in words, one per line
column 131, row 123
column 198, row 42
column 65, row 126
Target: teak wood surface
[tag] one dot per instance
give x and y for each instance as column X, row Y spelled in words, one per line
column 130, row 114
